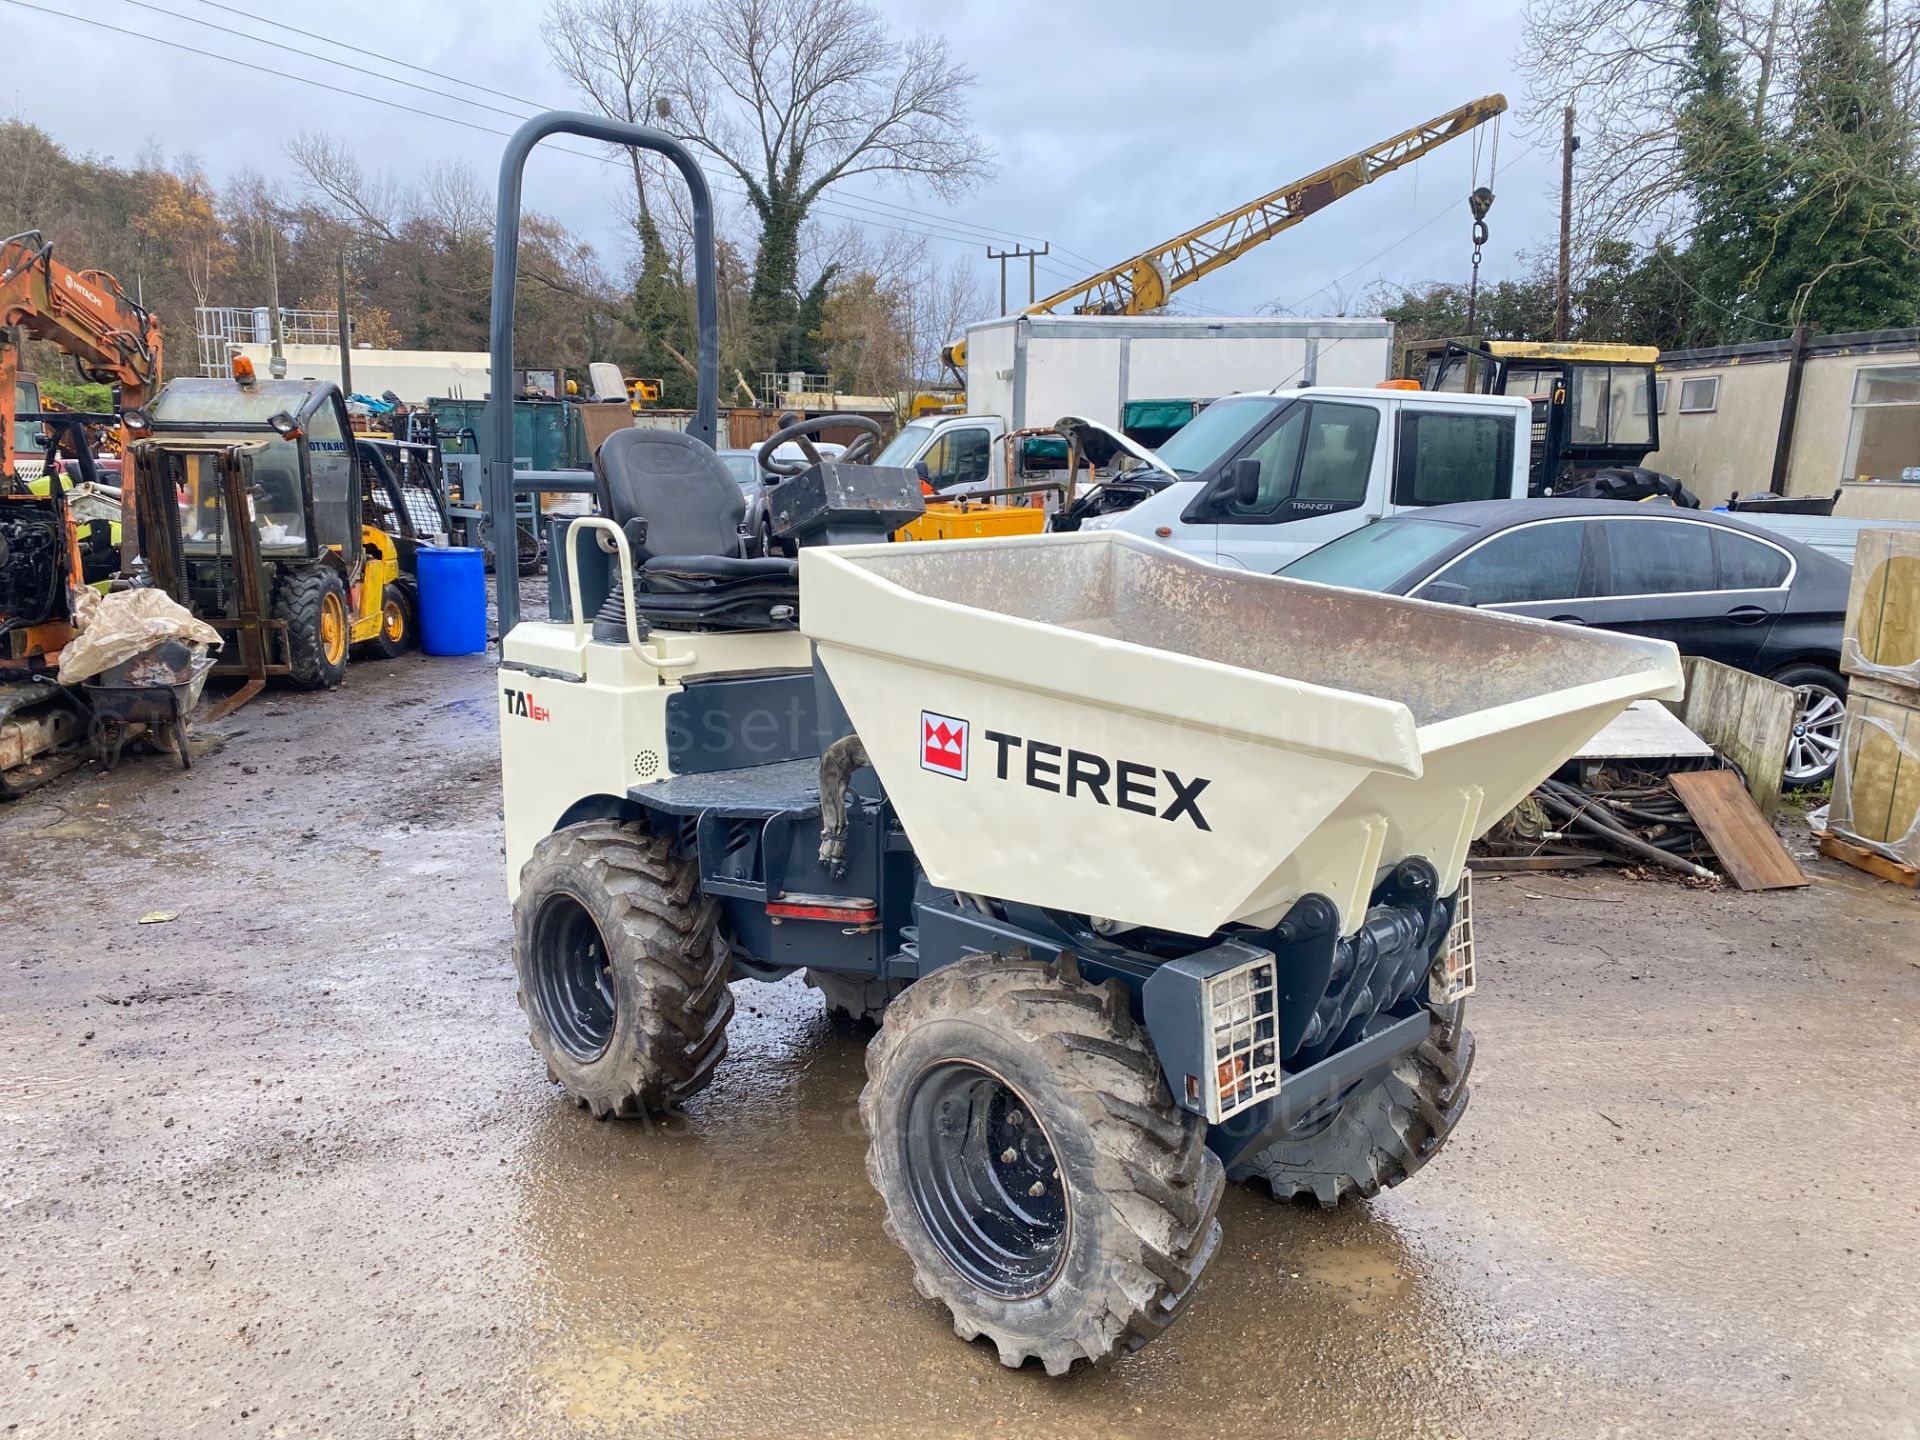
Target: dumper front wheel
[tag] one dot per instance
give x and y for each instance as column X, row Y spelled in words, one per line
column 1032, row 1164
column 622, row 968
column 1382, row 1134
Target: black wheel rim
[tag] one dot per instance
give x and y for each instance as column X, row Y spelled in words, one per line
column 572, row 980
column 985, row 1180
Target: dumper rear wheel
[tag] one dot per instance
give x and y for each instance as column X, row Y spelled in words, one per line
column 1384, row 1133
column 622, row 968
column 1033, row 1166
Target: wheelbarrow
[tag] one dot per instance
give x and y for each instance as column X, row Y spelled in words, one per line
column 163, row 709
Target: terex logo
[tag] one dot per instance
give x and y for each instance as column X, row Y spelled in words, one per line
column 943, row 744
column 1136, row 787
column 519, row 702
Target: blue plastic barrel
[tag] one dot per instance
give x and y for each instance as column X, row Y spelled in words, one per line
column 453, row 600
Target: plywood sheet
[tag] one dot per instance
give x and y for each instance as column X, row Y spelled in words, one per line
column 1739, row 834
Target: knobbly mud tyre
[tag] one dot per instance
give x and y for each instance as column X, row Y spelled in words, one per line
column 622, row 968
column 313, row 602
column 862, row 999
column 1384, row 1133
column 399, row 622
column 1007, row 1051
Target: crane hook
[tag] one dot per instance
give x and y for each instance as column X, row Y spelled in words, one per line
column 1479, row 202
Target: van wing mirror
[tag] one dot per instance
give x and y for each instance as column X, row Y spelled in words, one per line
column 1445, row 592
column 1243, row 481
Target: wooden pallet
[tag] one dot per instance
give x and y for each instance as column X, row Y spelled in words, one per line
column 1871, row 861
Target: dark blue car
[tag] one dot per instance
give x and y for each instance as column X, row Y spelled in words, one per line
column 1712, row 584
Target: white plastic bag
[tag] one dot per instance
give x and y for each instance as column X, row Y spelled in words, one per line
column 124, row 624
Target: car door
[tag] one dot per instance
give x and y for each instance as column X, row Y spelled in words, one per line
column 1545, row 569
column 1711, row 590
column 1448, row 456
column 961, row 460
column 1317, row 467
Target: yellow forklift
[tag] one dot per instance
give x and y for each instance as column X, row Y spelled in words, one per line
column 305, row 574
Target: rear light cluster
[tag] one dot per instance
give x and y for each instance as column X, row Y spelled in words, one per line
column 1453, row 977
column 1243, row 1028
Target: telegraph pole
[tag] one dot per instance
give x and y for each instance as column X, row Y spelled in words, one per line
column 1017, row 253
column 1563, row 300
column 277, row 367
column 346, row 332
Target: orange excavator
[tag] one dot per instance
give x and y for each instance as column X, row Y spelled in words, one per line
column 114, row 340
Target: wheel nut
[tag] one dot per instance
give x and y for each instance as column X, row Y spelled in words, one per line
column 1036, row 1189
column 1009, row 1155
column 1014, row 1117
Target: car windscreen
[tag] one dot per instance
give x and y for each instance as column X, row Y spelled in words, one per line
column 744, row 469
column 904, row 446
column 1217, row 430
column 1375, row 556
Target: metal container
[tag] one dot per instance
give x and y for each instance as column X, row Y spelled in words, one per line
column 1101, row 725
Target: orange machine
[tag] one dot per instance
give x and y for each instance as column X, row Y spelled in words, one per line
column 114, row 340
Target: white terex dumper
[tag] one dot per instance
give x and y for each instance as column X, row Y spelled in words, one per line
column 1152, row 872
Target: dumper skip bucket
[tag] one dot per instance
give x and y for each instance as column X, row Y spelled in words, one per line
column 1098, row 724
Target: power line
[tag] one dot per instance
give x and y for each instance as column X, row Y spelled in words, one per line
column 323, row 59
column 357, row 50
column 830, row 208
column 1426, row 224
column 884, row 207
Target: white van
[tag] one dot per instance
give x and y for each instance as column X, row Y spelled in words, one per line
column 1257, row 480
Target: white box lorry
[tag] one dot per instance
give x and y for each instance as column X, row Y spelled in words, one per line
column 1030, row 370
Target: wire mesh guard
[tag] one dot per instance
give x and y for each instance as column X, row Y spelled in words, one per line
column 1245, row 1039
column 1453, row 977
column 423, row 509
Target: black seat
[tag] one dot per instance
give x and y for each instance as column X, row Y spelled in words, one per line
column 681, row 509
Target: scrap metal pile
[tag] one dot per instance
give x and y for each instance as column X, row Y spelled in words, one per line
column 1613, row 814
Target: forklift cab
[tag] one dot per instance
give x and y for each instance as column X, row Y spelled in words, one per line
column 293, row 439
column 1593, row 405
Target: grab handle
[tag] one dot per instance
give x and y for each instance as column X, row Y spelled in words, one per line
column 649, row 656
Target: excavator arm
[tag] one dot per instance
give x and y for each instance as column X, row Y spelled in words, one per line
column 112, row 338
column 1147, row 281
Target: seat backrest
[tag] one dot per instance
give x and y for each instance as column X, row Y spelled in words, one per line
column 680, row 487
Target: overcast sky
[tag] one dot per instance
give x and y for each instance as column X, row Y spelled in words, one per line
column 1117, row 123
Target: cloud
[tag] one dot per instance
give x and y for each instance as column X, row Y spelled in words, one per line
column 1117, row 124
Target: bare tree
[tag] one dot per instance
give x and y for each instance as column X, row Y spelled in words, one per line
column 616, row 53
column 452, row 195
column 375, row 202
column 1628, row 68
column 796, row 96
column 943, row 301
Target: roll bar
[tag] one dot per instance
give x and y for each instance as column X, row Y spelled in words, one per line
column 497, row 439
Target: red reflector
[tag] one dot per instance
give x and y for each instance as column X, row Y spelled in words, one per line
column 858, row 913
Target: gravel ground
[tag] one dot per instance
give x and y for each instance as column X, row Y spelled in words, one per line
column 284, row 1164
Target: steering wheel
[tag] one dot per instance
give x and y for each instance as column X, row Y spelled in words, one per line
column 863, row 446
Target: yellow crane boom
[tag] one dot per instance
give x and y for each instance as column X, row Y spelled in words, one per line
column 1146, row 282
